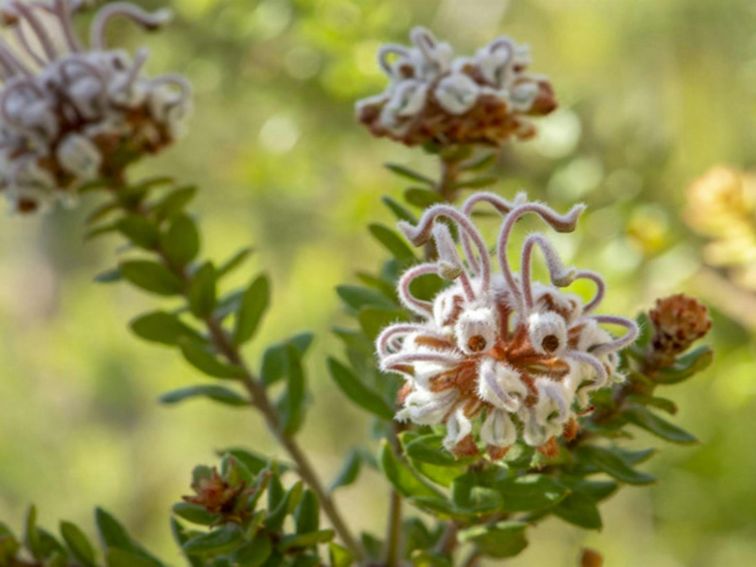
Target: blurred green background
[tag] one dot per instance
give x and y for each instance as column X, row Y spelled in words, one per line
column 652, row 95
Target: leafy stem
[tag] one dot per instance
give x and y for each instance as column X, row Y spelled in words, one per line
column 228, row 348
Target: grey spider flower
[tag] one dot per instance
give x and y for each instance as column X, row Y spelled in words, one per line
column 71, row 113
column 523, row 356
column 436, row 97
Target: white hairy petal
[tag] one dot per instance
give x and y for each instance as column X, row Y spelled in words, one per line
column 500, row 385
column 522, row 95
column 554, row 401
column 498, row 429
column 427, row 408
column 457, row 93
column 476, row 330
column 548, row 332
column 79, row 156
column 458, row 426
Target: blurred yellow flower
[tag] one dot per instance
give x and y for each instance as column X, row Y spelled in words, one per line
column 722, row 206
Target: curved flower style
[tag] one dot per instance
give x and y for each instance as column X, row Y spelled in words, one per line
column 70, row 114
column 522, row 355
column 434, row 96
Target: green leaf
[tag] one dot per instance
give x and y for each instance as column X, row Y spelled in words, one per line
column 116, row 557
column 114, row 535
column 194, row 513
column 162, row 327
column 483, row 162
column 202, row 294
column 385, row 288
column 307, row 513
column 349, row 472
column 442, row 475
column 530, row 492
column 425, row 558
column 612, row 464
column 373, row 320
column 645, row 419
column 235, row 472
column 357, row 391
column 392, row 242
column 51, row 549
column 358, row 297
column 175, row 201
column 504, row 539
column 253, row 305
column 422, row 198
column 254, row 553
column 476, row 183
column 284, row 505
column 78, row 543
column 181, row 242
column 339, row 556
column 140, row 231
column 207, row 362
column 220, row 540
column 151, row 276
column 213, row 392
column 32, row 539
column 293, row 402
column 234, row 262
column 654, row 401
column 403, row 478
column 274, row 361
column 410, row 174
column 686, row 366
column 294, row 541
column 181, row 536
column 471, row 497
column 399, row 211
column 596, row 490
column 253, row 461
column 580, row 510
column 429, row 449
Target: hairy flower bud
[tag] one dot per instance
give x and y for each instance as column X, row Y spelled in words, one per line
column 678, row 322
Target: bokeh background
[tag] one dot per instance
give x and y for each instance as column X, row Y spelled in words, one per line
column 653, row 94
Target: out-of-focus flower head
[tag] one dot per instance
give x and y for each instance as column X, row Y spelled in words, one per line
column 678, row 321
column 71, row 113
column 436, row 97
column 721, row 205
column 519, row 355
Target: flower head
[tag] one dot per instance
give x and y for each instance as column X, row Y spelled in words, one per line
column 519, row 356
column 434, row 96
column 70, row 114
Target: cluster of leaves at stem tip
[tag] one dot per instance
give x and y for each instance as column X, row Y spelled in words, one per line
column 254, row 511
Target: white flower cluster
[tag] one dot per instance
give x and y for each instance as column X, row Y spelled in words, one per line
column 70, row 114
column 434, row 96
column 523, row 356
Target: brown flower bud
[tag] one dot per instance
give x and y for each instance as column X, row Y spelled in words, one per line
column 591, row 558
column 678, row 322
column 215, row 494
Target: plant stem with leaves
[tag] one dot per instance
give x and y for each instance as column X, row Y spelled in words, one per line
column 149, row 228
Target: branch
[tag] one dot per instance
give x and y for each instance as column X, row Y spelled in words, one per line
column 257, row 394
